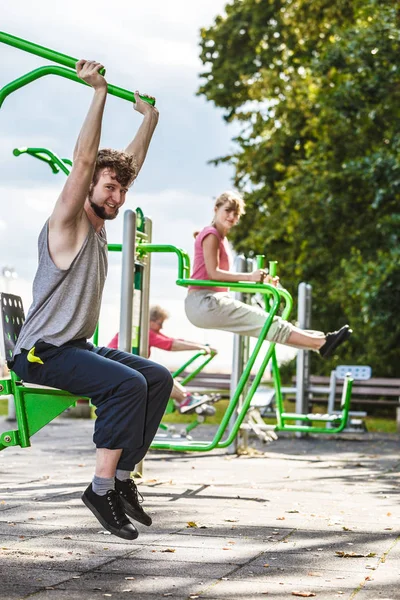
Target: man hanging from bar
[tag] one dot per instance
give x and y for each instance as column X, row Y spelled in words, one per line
column 130, row 393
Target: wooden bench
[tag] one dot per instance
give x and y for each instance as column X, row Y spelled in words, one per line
column 377, row 391
column 211, row 382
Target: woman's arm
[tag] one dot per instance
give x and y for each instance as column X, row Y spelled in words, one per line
column 211, row 260
column 179, row 345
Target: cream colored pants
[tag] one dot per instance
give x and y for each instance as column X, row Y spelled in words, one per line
column 220, row 311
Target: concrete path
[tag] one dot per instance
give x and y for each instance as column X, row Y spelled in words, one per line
column 315, row 517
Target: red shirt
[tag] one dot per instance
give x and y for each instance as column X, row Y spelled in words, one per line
column 199, row 265
column 156, row 340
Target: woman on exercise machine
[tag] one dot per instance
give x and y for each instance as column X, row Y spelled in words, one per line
column 214, row 308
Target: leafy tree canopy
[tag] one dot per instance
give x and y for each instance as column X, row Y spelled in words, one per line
column 315, row 87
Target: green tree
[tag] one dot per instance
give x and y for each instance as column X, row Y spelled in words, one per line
column 315, row 88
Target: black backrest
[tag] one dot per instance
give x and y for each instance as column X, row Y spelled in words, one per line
column 12, row 315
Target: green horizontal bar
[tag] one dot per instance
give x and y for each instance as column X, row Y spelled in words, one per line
column 52, row 55
column 245, row 287
column 183, row 257
column 68, row 74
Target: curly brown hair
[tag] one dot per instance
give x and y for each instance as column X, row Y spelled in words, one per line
column 124, row 165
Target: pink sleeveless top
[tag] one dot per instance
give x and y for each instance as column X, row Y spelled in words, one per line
column 199, row 267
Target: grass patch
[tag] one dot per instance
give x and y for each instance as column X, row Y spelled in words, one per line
column 377, row 424
column 3, row 407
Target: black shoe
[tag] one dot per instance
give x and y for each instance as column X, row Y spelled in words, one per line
column 129, row 496
column 333, row 340
column 109, row 511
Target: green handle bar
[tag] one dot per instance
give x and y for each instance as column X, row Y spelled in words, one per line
column 56, row 163
column 25, row 46
column 68, row 74
column 62, row 59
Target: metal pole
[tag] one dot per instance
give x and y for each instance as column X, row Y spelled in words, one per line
column 145, row 313
column 145, row 316
column 303, row 356
column 237, row 358
column 127, row 281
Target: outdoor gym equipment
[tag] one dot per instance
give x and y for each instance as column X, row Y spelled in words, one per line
column 58, row 164
column 172, row 405
column 55, row 163
column 35, row 406
column 67, row 71
column 31, row 416
column 273, row 299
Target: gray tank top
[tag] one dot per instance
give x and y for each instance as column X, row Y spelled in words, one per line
column 66, row 302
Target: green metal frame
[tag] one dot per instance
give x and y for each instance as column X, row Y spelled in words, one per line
column 208, row 358
column 56, row 163
column 171, row 406
column 35, row 407
column 274, row 297
column 32, row 415
column 67, row 70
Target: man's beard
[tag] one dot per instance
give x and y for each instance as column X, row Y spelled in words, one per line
column 100, row 211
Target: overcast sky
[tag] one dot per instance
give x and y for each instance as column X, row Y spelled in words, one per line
column 153, row 47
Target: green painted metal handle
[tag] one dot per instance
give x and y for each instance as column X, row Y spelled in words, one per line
column 183, row 257
column 60, row 58
column 25, row 46
column 56, row 163
column 260, row 258
column 272, row 267
column 68, row 74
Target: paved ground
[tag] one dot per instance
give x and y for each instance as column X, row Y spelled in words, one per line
column 318, row 517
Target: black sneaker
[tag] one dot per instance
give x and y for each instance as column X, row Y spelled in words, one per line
column 129, row 496
column 109, row 511
column 334, row 339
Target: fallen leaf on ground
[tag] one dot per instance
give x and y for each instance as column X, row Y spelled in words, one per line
column 191, row 524
column 266, row 565
column 168, row 550
column 280, row 518
column 304, row 594
column 343, row 554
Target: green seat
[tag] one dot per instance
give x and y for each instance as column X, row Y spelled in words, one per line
column 35, row 406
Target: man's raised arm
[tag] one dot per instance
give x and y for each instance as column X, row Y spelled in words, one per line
column 141, row 142
column 69, row 206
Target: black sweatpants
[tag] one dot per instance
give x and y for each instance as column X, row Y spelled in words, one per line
column 130, row 393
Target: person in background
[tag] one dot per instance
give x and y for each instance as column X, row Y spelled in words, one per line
column 186, row 402
column 214, row 308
